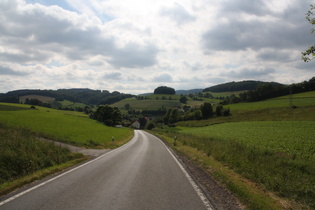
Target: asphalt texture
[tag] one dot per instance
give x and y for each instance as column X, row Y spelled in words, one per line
column 142, row 174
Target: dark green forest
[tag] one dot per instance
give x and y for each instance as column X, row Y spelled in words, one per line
column 238, row 86
column 77, row 95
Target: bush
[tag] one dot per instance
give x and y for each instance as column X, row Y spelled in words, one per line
column 150, row 125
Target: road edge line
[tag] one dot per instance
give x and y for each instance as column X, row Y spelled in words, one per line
column 199, row 192
column 61, row 175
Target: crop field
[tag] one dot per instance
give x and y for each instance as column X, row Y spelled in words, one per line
column 291, row 137
column 67, row 103
column 72, row 127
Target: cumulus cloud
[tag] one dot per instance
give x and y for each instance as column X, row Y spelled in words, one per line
column 8, row 71
column 162, row 78
column 133, row 45
column 39, row 32
column 255, row 28
column 178, row 14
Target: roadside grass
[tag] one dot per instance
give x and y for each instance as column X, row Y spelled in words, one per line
column 14, row 184
column 22, row 154
column 65, row 126
column 243, row 169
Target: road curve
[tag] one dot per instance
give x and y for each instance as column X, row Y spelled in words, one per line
column 142, row 174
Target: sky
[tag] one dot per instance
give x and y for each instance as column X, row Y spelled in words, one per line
column 134, row 46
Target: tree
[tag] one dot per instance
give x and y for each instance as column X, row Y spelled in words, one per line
column 218, row 110
column 127, row 106
column 197, row 115
column 142, row 122
column 164, row 90
column 167, row 116
column 173, row 116
column 183, row 99
column 150, row 125
column 309, row 54
column 206, row 110
column 110, row 116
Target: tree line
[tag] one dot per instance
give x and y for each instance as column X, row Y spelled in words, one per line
column 238, row 86
column 269, row 90
column 205, row 111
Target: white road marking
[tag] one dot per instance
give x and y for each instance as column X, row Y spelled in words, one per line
column 61, row 175
column 192, row 182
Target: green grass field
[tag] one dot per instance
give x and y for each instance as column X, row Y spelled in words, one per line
column 69, row 104
column 299, row 100
column 67, row 126
column 146, row 104
column 264, row 142
column 44, row 99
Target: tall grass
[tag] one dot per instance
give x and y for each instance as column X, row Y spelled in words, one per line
column 21, row 153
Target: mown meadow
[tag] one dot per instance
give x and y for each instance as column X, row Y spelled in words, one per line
column 268, row 144
column 66, row 126
column 25, row 157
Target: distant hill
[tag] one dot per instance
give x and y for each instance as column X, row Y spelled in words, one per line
column 238, row 86
column 78, row 95
column 187, row 92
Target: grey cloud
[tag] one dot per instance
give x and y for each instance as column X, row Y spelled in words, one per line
column 310, row 66
column 113, row 76
column 57, row 31
column 25, row 56
column 164, row 77
column 274, row 55
column 9, row 71
column 178, row 13
column 277, row 32
column 256, row 7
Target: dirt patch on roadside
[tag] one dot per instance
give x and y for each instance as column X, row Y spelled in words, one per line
column 82, row 150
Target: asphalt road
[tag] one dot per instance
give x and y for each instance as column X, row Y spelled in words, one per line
column 143, row 174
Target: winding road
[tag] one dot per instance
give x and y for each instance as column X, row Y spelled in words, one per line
column 142, row 174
